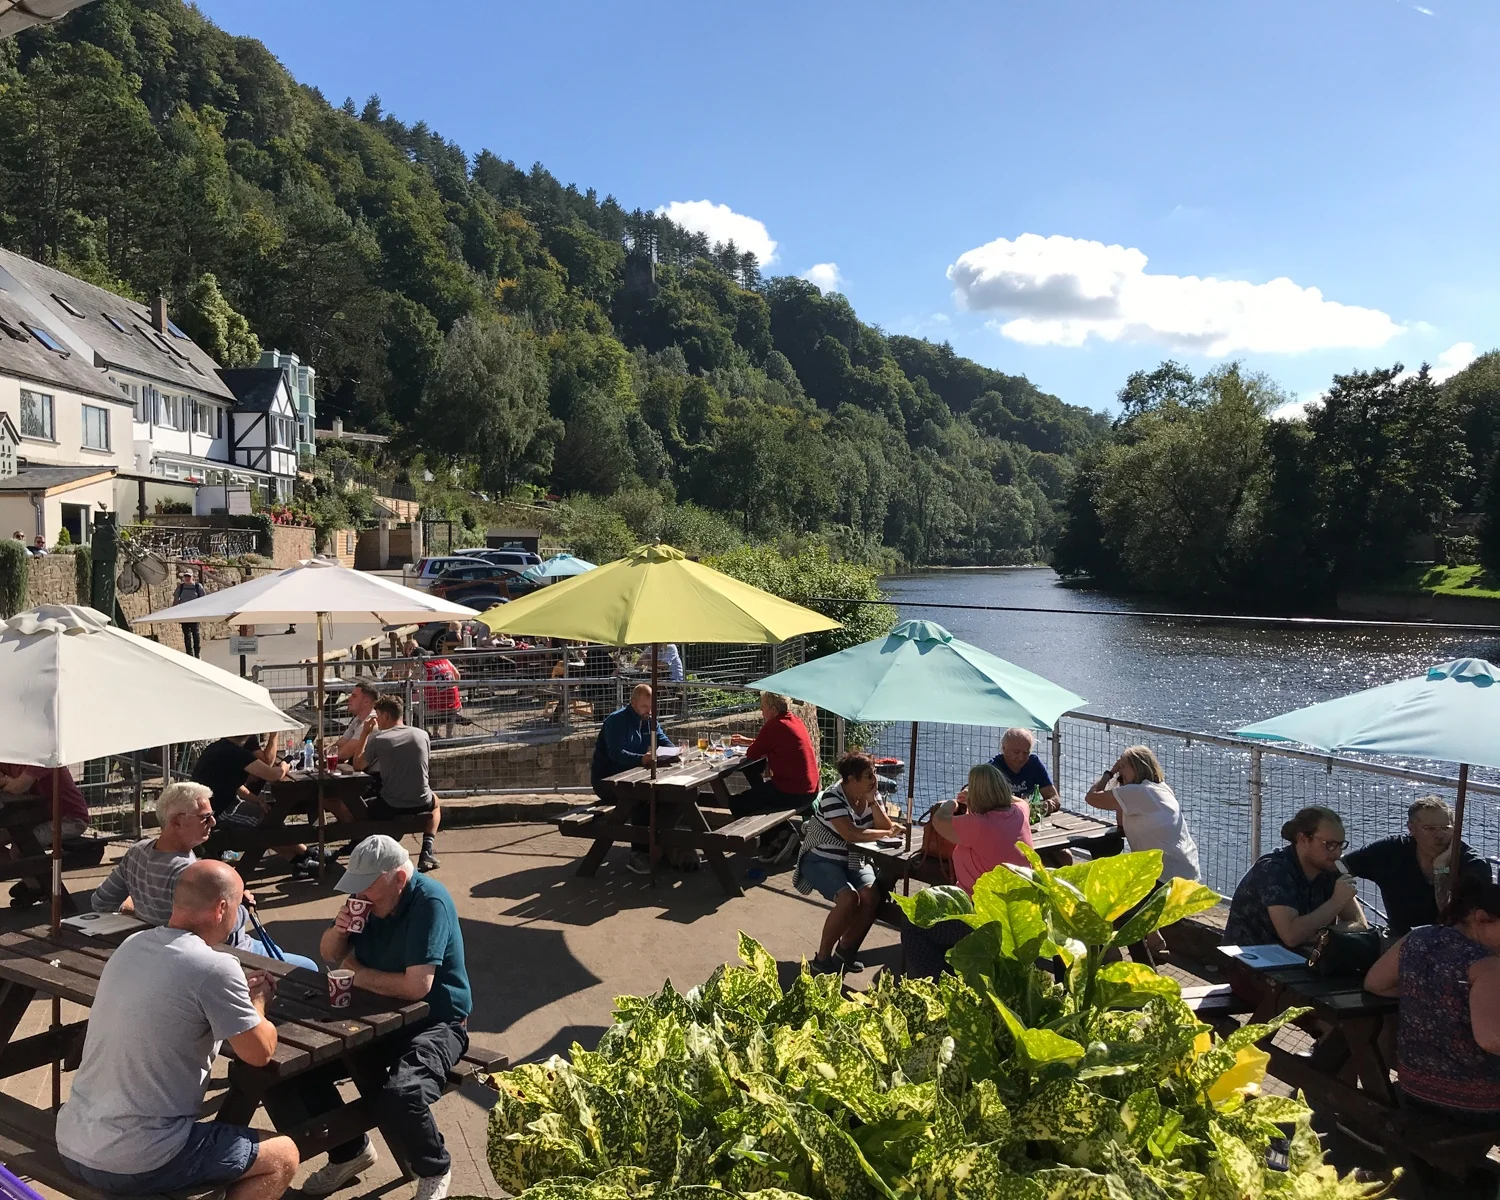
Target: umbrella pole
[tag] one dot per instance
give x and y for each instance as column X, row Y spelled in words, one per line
column 651, row 832
column 1455, row 860
column 322, row 832
column 56, row 919
column 911, row 782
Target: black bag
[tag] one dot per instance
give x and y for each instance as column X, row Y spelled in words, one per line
column 1341, row 952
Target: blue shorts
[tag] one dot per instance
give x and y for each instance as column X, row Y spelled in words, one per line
column 215, row 1153
column 830, row 878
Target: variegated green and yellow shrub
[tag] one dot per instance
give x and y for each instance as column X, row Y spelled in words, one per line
column 997, row 1083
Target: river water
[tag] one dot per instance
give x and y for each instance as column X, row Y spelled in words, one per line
column 1211, row 677
column 1196, row 675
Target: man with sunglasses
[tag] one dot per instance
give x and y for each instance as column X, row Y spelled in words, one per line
column 144, row 882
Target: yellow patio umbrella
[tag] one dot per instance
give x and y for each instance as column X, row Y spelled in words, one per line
column 655, row 594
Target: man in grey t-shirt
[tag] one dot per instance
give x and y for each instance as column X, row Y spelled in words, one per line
column 399, row 754
column 166, row 1000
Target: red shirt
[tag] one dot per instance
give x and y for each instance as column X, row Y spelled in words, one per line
column 74, row 806
column 441, row 699
column 784, row 744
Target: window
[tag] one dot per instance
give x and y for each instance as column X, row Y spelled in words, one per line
column 36, row 415
column 115, row 321
column 218, row 422
column 169, row 411
column 149, row 339
column 46, row 338
column 281, row 432
column 203, row 418
column 95, row 427
column 11, row 331
column 68, row 307
column 176, row 333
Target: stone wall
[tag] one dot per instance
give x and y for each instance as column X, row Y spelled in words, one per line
column 52, row 579
column 291, row 544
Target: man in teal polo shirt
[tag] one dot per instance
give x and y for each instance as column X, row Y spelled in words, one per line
column 409, row 949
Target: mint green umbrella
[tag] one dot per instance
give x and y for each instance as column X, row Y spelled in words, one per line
column 1451, row 713
column 921, row 672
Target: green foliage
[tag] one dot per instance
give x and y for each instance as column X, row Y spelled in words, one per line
column 15, row 576
column 810, row 578
column 83, row 574
column 993, row 1084
column 525, row 331
column 209, row 320
column 1200, row 494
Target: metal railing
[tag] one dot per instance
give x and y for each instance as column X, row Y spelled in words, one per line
column 190, row 542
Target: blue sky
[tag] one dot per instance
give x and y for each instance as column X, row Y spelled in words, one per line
column 1047, row 185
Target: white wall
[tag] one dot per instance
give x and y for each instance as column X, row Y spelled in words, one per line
column 67, row 422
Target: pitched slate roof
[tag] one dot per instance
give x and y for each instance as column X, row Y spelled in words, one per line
column 175, row 362
column 254, row 388
column 32, row 362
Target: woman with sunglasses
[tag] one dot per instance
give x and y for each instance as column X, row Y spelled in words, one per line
column 1291, row 894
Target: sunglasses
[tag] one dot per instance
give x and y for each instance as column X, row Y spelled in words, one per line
column 1331, row 845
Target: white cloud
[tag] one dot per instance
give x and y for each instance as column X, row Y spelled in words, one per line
column 1426, row 12
column 720, row 223
column 1453, row 360
column 826, row 277
column 1296, row 410
column 1062, row 291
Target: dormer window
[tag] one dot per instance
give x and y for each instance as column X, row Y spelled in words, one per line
column 46, row 338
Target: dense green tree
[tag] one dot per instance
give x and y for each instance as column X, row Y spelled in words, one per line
column 487, row 399
column 209, row 320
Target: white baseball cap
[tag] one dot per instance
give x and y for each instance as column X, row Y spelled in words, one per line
column 371, row 859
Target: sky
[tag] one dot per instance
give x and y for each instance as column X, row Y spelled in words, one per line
column 1066, row 189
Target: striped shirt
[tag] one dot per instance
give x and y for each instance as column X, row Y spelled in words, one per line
column 822, row 838
column 149, row 877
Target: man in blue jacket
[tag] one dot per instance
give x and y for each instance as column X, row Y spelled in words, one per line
column 625, row 742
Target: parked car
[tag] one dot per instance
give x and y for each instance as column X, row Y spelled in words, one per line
column 428, row 569
column 464, row 579
column 505, row 556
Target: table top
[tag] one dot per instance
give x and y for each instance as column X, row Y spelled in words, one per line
column 1057, row 830
column 690, row 774
column 1331, row 996
column 308, row 1031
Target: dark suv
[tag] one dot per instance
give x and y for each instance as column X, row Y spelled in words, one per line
column 467, row 583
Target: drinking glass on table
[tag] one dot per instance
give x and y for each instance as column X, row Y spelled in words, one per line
column 702, row 744
column 717, row 744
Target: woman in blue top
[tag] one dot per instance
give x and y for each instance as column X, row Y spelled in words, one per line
column 1447, row 978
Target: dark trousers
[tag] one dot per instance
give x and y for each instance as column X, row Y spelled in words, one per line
column 416, row 1062
column 763, row 796
column 190, row 641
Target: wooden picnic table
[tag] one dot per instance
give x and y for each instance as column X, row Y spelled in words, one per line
column 899, row 864
column 683, row 820
column 309, row 1032
column 297, row 796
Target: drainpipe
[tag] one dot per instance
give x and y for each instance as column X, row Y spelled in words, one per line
column 39, row 502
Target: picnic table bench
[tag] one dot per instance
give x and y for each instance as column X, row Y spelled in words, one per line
column 297, row 796
column 682, row 822
column 1347, row 1072
column 309, row 1032
column 18, row 819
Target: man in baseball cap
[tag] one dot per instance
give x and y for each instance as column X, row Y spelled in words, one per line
column 405, row 945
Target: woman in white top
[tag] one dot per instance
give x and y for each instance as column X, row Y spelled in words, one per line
column 1148, row 811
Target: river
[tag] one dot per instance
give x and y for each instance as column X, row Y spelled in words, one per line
column 1211, row 677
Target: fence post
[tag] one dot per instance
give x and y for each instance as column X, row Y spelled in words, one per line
column 1255, row 803
column 838, row 738
column 1057, row 756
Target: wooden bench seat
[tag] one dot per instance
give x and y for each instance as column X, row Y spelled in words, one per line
column 747, row 829
column 28, row 1147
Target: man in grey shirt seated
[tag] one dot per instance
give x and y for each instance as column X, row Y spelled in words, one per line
column 167, row 999
column 144, row 882
column 399, row 754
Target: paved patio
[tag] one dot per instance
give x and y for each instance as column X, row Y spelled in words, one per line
column 547, row 954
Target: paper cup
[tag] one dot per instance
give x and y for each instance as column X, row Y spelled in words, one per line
column 340, row 988
column 359, row 913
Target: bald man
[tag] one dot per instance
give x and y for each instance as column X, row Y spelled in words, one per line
column 166, row 1000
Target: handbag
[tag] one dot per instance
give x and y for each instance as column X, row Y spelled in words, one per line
column 1340, row 952
column 938, row 848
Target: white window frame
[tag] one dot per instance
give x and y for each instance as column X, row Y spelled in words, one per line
column 49, row 405
column 203, row 418
column 281, row 433
column 103, row 416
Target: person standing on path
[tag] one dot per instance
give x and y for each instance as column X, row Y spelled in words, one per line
column 189, row 589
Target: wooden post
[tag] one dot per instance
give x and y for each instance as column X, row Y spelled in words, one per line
column 651, row 833
column 56, row 920
column 1445, row 891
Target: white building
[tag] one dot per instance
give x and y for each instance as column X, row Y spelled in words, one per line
column 303, row 383
column 182, row 408
column 67, row 431
column 263, row 425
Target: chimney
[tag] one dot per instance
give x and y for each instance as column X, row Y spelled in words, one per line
column 159, row 313
column 338, row 427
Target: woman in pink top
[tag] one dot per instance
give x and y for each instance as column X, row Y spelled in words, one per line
column 982, row 838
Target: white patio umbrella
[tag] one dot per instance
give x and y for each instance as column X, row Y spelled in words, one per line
column 320, row 588
column 123, row 692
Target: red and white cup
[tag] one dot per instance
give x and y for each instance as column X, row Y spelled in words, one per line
column 358, row 912
column 340, row 988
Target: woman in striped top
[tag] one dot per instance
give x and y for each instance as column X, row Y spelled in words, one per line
column 847, row 812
